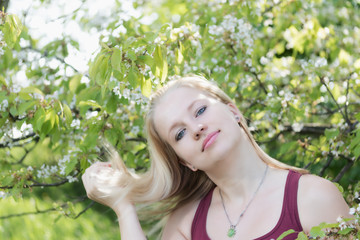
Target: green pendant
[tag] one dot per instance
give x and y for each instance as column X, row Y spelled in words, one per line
column 231, row 231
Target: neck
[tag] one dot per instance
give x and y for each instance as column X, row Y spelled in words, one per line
column 238, row 174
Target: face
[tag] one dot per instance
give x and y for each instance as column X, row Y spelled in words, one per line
column 201, row 129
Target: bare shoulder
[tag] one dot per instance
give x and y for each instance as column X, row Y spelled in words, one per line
column 178, row 225
column 319, row 200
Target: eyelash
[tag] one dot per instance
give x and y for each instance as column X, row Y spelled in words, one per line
column 181, row 133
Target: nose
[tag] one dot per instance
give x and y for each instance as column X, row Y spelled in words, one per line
column 200, row 129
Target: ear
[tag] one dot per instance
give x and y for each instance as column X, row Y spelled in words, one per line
column 233, row 108
column 190, row 166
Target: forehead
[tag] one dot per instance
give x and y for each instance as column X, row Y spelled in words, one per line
column 173, row 105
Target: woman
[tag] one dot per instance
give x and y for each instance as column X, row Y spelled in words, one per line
column 215, row 179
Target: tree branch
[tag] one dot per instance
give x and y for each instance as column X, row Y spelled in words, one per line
column 4, row 145
column 84, row 210
column 81, row 199
column 138, row 139
column 20, row 161
column 56, row 57
column 344, row 170
column 327, row 164
column 259, row 81
column 36, row 184
column 333, row 98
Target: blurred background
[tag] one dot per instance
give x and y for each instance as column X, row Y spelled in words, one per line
column 75, row 72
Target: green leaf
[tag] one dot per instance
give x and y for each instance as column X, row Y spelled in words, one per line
column 2, row 80
column 7, row 180
column 284, row 234
column 31, row 89
column 133, row 78
column 116, row 58
column 13, row 111
column 355, row 141
column 345, row 231
column 331, row 133
column 12, row 30
column 357, row 151
column 94, row 66
column 90, row 140
column 68, row 114
column 317, row 232
column 150, row 36
column 146, row 87
column 344, row 57
column 91, row 103
column 70, row 166
column 302, row 236
column 39, row 118
column 112, row 136
column 75, row 82
column 178, row 56
column 25, row 106
column 103, row 71
column 132, row 55
column 111, row 105
column 357, row 115
column 84, row 164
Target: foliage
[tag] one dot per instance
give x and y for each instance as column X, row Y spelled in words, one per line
column 292, row 67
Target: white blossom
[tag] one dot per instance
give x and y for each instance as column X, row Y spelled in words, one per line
column 3, row 195
column 320, row 62
column 341, row 99
column 75, row 123
column 4, row 105
column 323, row 88
column 297, row 127
column 72, row 179
column 264, row 60
column 135, row 130
column 352, row 211
column 91, row 114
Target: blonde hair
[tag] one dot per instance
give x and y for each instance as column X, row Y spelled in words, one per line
column 168, row 180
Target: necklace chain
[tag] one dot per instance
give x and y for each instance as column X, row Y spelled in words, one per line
column 232, row 229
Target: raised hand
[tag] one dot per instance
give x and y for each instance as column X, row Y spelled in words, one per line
column 106, row 185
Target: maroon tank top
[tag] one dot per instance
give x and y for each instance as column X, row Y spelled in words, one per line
column 289, row 218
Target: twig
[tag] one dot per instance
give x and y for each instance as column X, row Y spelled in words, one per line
column 20, row 161
column 259, row 81
column 80, row 199
column 28, row 213
column 38, row 185
column 3, row 145
column 84, row 210
column 327, row 164
column 333, row 98
column 138, row 139
column 344, row 170
column 347, row 98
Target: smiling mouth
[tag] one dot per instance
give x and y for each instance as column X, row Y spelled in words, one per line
column 209, row 140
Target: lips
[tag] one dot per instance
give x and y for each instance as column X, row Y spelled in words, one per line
column 209, row 140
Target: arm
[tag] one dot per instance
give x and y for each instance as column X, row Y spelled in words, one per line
column 103, row 184
column 319, row 201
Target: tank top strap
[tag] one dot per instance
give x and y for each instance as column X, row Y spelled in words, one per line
column 199, row 221
column 290, row 198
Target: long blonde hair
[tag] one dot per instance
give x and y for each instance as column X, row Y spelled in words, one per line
column 167, row 179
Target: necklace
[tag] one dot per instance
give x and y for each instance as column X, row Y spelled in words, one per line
column 232, row 229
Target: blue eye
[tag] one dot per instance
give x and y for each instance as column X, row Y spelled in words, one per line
column 180, row 134
column 200, row 111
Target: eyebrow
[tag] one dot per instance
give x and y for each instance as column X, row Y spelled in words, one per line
column 188, row 109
